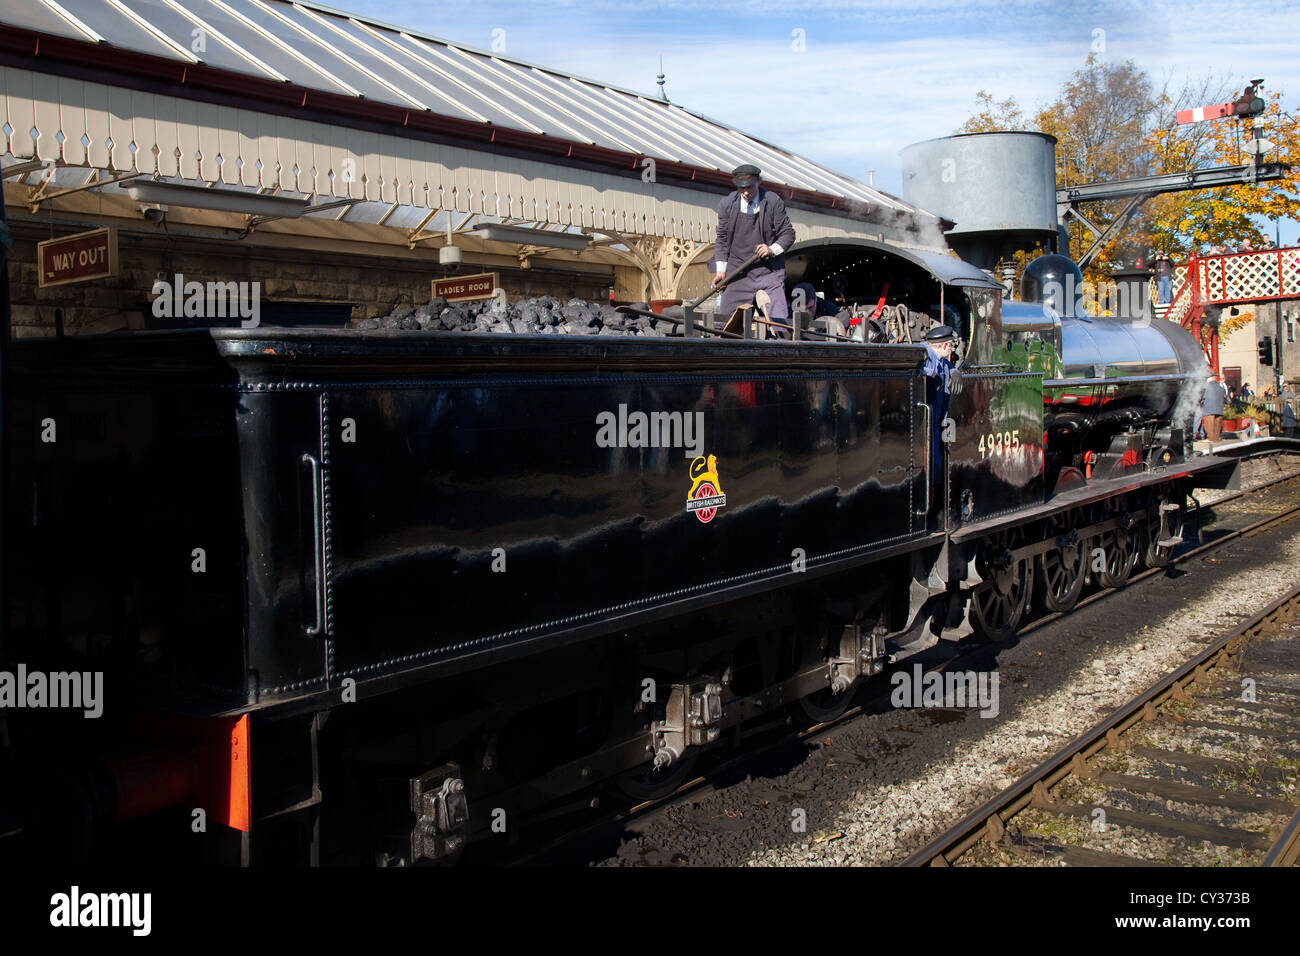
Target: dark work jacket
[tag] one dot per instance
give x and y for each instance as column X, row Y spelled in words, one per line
column 938, row 372
column 774, row 225
column 1213, row 400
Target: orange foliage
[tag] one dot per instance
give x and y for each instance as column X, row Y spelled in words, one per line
column 1111, row 124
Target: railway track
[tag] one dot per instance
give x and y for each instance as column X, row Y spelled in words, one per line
column 1207, row 758
column 618, row 818
column 1262, row 525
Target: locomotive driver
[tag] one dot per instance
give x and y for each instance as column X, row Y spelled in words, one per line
column 752, row 221
column 940, row 379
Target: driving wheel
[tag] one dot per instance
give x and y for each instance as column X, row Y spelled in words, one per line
column 998, row 604
column 1159, row 548
column 1120, row 547
column 1062, row 571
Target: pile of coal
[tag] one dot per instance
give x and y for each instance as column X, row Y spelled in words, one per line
column 543, row 315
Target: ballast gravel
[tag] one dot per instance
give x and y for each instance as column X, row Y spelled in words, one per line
column 877, row 788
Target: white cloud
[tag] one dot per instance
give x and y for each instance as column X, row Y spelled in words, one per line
column 876, row 74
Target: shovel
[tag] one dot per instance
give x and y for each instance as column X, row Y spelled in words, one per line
column 726, row 281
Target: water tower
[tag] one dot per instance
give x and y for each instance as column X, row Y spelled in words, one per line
column 999, row 188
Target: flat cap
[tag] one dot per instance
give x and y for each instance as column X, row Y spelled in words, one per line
column 745, row 175
column 940, row 333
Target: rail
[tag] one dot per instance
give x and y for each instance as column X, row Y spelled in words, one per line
column 989, row 821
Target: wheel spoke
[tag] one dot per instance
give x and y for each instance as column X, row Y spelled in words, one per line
column 1153, row 554
column 1121, row 556
column 998, row 604
column 1062, row 571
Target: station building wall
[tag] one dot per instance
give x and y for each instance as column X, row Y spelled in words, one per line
column 370, row 285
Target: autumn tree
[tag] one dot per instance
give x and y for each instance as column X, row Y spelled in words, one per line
column 995, row 117
column 1099, row 119
column 1195, row 219
column 1111, row 123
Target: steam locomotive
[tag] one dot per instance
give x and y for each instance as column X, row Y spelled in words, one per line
column 366, row 595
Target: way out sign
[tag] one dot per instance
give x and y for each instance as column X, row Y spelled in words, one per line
column 77, row 258
column 463, row 288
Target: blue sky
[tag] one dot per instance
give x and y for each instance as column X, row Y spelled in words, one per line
column 874, row 75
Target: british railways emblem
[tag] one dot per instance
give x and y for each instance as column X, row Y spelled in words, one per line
column 706, row 495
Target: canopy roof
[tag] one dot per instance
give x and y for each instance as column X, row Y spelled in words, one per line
column 318, row 48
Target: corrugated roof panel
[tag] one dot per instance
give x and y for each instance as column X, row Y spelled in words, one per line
column 80, row 29
column 679, row 149
column 439, row 93
column 421, row 52
column 299, row 37
column 610, row 134
column 442, row 85
column 777, row 165
column 714, row 150
column 393, row 86
column 700, row 150
column 553, row 120
column 570, row 111
column 188, row 25
column 648, row 141
column 264, row 44
column 465, row 70
column 185, row 53
column 741, row 149
column 117, row 28
column 38, row 17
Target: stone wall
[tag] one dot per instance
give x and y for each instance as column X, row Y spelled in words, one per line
column 372, row 286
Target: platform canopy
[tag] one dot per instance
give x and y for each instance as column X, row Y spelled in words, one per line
column 269, row 96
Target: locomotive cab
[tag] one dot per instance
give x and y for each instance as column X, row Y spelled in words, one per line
column 899, row 294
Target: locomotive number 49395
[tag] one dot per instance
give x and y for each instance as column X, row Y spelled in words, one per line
column 999, row 443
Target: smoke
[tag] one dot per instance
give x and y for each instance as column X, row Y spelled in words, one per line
column 858, row 208
column 929, row 234
column 1190, row 392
